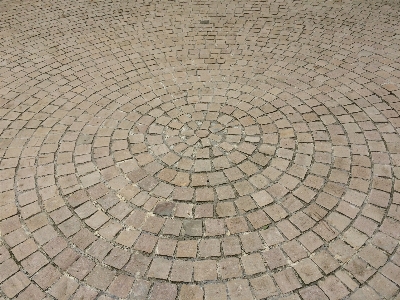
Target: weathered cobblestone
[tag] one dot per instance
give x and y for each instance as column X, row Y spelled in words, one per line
column 199, row 149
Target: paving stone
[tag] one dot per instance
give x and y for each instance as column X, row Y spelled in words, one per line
column 229, row 268
column 100, row 277
column 231, row 245
column 165, row 291
column 138, row 264
column 31, row 292
column 325, row 261
column 182, row 271
column 333, row 288
column 275, row 258
column 209, row 247
column 15, row 284
column 140, row 289
column 63, row 288
column 205, row 270
column 215, row 292
column 46, row 276
column 263, row 286
column 313, row 293
column 287, row 280
column 160, row 268
column 383, row 286
column 390, row 270
column 85, row 291
column 253, row 264
column 251, row 242
column 8, row 268
column 193, row 227
column 146, row 243
column 117, row 258
column 307, row 270
column 239, row 289
column 191, row 292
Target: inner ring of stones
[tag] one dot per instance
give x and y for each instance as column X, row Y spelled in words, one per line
column 266, row 147
column 202, row 144
column 196, row 140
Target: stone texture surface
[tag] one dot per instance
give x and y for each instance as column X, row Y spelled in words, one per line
column 199, row 149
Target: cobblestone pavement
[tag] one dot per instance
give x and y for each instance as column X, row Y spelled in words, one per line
column 199, row 149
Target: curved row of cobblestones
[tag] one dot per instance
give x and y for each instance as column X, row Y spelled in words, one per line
column 199, row 150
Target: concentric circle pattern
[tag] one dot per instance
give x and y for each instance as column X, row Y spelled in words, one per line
column 199, row 149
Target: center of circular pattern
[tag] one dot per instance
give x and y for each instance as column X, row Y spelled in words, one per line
column 196, row 138
column 202, row 133
column 205, row 152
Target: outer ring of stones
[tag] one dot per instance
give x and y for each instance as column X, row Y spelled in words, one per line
column 116, row 208
column 263, row 169
column 264, row 222
column 139, row 232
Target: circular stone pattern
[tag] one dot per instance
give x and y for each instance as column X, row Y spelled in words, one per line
column 197, row 140
column 172, row 150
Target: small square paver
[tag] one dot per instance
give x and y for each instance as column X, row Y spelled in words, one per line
column 307, row 270
column 313, row 293
column 204, row 210
column 166, row 246
column 209, row 247
column 191, row 292
column 225, row 209
column 215, row 291
column 258, row 219
column 310, row 241
column 80, row 268
column 163, row 291
column 287, row 280
column 187, row 249
column 294, row 250
column 145, row 242
column 121, row 286
column 64, row 288
column 245, row 203
column 182, row 271
column 117, row 258
column 263, row 286
column 225, row 192
column 262, row 198
column 275, row 258
column 231, row 245
column 46, row 276
column 160, row 268
column 140, row 289
column 253, row 264
column 214, row 227
column 333, row 287
column 193, row 227
column 204, row 194
column 229, row 268
column 202, row 165
column 100, row 278
column 271, row 236
column 138, row 264
column 205, row 270
column 15, row 284
column 244, row 188
column 183, row 193
column 237, row 225
column 239, row 289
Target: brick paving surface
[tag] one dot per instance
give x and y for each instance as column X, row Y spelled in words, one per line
column 199, row 149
